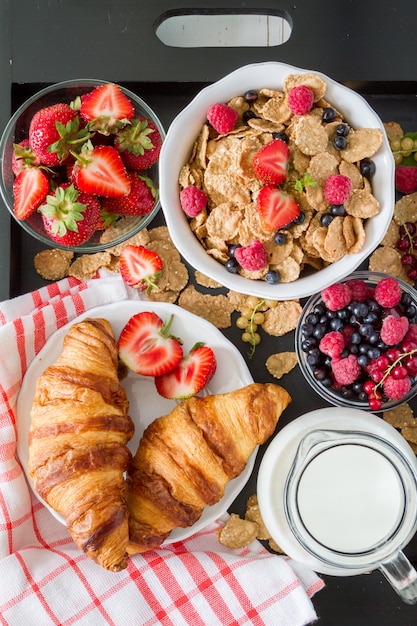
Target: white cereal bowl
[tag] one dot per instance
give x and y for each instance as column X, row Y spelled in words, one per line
column 176, row 150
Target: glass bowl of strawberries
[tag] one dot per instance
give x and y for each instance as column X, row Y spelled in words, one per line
column 80, row 165
column 356, row 342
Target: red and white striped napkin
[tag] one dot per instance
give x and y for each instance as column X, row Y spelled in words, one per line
column 46, row 580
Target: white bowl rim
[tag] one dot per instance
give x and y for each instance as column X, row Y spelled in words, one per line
column 187, row 243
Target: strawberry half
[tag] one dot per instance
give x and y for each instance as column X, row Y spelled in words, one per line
column 106, row 108
column 100, row 171
column 30, row 188
column 276, row 208
column 190, row 376
column 140, row 267
column 146, row 346
column 270, row 163
column 139, row 201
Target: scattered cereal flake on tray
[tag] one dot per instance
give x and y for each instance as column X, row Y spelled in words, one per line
column 281, row 363
column 394, row 130
column 282, row 318
column 405, row 209
column 253, row 514
column 87, row 265
column 158, row 233
column 215, row 309
column 237, row 533
column 205, row 281
column 53, row 264
column 140, row 239
column 402, row 418
column 388, row 261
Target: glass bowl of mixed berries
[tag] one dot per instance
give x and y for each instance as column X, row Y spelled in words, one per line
column 80, row 165
column 356, row 342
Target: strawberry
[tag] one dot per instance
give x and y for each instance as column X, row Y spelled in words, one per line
column 23, row 156
column 270, row 163
column 139, row 144
column 406, row 178
column 30, row 188
column 69, row 216
column 106, row 108
column 190, row 376
column 276, row 208
column 139, row 201
column 53, row 131
column 146, row 346
column 140, row 267
column 99, row 170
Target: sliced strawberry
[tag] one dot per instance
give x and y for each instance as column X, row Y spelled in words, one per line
column 140, row 267
column 100, row 171
column 146, row 346
column 139, row 201
column 270, row 163
column 276, row 208
column 30, row 188
column 106, row 108
column 190, row 376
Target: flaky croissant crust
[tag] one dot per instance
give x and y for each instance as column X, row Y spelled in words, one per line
column 77, row 442
column 185, row 459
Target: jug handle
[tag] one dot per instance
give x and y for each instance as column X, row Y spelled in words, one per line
column 402, row 576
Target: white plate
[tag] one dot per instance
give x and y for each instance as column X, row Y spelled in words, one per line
column 145, row 402
column 277, row 461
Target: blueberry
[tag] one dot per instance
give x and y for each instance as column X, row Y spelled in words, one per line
column 312, row 318
column 233, row 249
column 280, row 238
column 283, row 136
column 300, row 218
column 347, row 393
column 250, row 96
column 320, row 373
column 367, row 168
column 360, row 309
column 374, row 353
column 232, row 265
column 342, row 130
column 248, row 115
column 338, row 210
column 366, row 330
column 272, row 277
column 363, row 360
column 355, row 338
column 340, row 142
column 320, row 308
column 329, row 114
column 306, row 329
column 319, row 331
column 336, row 324
column 327, row 382
column 326, row 219
column 308, row 344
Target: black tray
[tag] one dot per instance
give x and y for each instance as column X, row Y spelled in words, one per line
column 349, row 41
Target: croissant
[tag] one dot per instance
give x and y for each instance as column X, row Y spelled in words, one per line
column 77, row 442
column 185, row 459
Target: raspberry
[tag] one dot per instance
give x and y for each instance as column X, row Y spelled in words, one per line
column 394, row 329
column 346, row 370
column 411, row 334
column 332, row 344
column 222, row 118
column 300, row 99
column 336, row 296
column 406, row 178
column 396, row 388
column 252, row 257
column 388, row 292
column 193, row 200
column 337, row 188
column 358, row 289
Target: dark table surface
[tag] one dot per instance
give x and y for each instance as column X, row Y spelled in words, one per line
column 368, row 46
